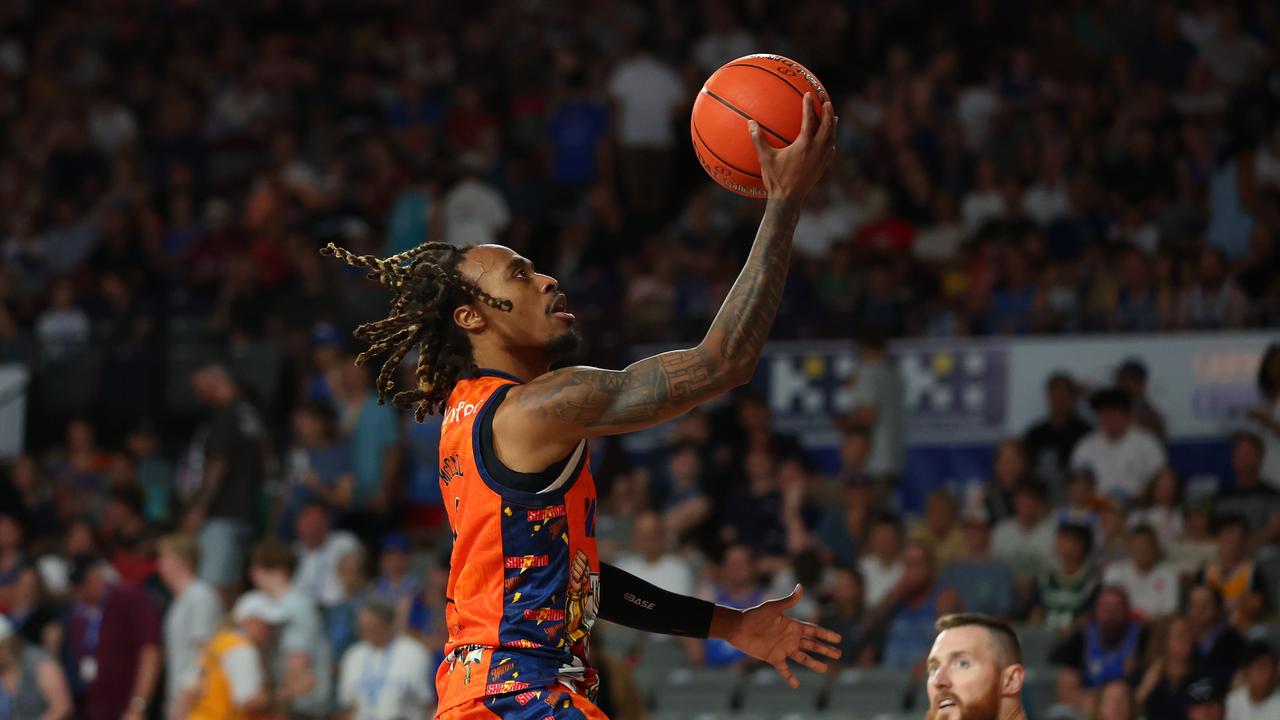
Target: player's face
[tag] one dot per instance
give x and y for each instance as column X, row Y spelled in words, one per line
column 964, row 676
column 539, row 319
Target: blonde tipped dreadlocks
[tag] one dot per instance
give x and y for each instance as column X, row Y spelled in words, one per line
column 425, row 286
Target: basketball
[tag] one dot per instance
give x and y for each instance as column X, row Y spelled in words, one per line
column 766, row 88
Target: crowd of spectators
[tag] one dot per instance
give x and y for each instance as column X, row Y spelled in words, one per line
column 192, row 538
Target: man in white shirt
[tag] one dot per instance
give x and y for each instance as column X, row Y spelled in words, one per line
column 385, row 676
column 882, row 566
column 1257, row 698
column 1025, row 540
column 194, row 614
column 1152, row 586
column 650, row 559
column 319, row 551
column 646, row 92
column 1122, row 456
column 474, row 212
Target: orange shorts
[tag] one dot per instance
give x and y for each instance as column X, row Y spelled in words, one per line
column 556, row 702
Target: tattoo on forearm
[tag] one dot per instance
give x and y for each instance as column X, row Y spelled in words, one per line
column 747, row 315
column 658, row 387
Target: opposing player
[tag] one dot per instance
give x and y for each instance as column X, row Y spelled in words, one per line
column 975, row 670
column 525, row 583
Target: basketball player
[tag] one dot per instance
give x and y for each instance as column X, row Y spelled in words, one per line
column 975, row 670
column 525, row 583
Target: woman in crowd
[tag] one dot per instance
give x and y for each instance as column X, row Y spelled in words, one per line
column 1161, row 692
column 31, row 683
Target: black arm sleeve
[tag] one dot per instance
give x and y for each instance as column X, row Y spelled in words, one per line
column 627, row 600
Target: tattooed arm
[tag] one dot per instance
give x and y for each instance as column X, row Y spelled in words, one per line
column 548, row 416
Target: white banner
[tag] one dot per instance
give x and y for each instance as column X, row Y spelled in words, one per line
column 1201, row 382
column 979, row 390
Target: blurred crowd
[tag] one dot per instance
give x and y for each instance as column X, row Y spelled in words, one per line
column 213, row 508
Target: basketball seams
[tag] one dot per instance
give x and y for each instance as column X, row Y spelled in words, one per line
column 723, row 128
column 743, row 114
column 698, row 135
column 786, row 82
column 801, row 71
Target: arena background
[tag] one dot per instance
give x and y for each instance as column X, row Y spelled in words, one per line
column 1021, row 189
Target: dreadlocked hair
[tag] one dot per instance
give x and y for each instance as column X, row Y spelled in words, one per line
column 425, row 287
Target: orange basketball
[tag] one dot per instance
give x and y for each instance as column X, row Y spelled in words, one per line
column 766, row 88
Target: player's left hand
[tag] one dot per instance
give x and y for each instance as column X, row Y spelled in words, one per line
column 766, row 633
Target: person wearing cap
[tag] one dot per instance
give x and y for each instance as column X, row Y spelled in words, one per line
column 385, row 676
column 230, row 681
column 1258, row 698
column 1131, row 377
column 111, row 644
column 1205, row 695
column 396, row 585
column 326, row 357
column 984, row 583
column 1122, row 456
column 31, row 683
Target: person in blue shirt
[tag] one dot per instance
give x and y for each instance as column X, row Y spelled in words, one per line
column 396, row 586
column 320, row 466
column 913, row 606
column 984, row 583
column 578, row 133
column 374, row 433
column 737, row 586
column 1110, row 647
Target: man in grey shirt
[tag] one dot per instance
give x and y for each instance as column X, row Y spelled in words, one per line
column 192, row 617
column 879, row 400
column 303, row 662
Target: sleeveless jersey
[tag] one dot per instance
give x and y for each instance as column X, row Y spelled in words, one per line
column 1103, row 664
column 1232, row 587
column 522, row 590
column 215, row 701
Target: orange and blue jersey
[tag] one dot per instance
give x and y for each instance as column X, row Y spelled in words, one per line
column 522, row 593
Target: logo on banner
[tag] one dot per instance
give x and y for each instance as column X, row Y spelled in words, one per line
column 958, row 390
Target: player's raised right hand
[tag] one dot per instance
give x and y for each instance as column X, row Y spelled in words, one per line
column 789, row 173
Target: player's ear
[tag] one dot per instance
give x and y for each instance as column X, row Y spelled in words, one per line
column 468, row 318
column 1011, row 683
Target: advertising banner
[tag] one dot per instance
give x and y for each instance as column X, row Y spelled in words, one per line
column 962, row 395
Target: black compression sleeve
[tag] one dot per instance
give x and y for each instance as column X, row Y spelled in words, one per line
column 627, row 600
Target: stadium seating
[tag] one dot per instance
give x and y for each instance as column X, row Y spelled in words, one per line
column 708, row 689
column 766, row 692
column 871, row 691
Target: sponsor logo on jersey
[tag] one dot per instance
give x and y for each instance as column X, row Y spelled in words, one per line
column 507, row 686
column 544, row 614
column 547, row 513
column 524, row 562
